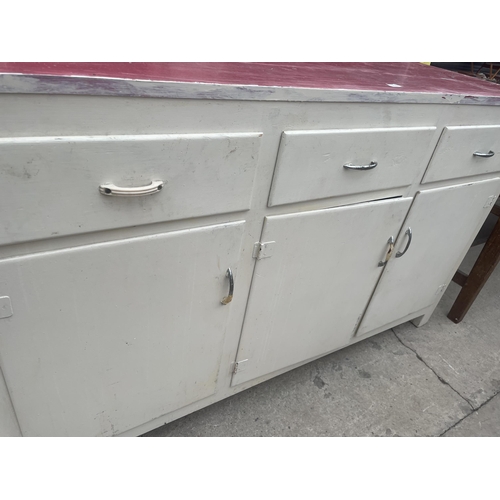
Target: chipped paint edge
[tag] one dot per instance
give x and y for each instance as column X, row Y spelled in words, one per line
column 15, row 83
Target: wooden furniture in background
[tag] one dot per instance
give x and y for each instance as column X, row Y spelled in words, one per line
column 493, row 67
column 473, row 283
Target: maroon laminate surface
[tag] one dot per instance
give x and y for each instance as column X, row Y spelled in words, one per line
column 403, row 77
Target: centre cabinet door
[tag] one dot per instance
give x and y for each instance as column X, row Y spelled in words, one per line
column 440, row 228
column 105, row 337
column 314, row 282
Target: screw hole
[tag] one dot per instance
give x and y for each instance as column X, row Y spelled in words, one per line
column 159, row 187
column 107, row 190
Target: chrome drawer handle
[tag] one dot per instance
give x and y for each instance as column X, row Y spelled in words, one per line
column 229, row 298
column 112, row 190
column 390, row 242
column 409, row 234
column 372, row 164
column 484, row 155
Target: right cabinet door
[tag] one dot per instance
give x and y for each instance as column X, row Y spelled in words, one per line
column 438, row 231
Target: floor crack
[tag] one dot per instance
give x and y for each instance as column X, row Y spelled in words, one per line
column 469, row 414
column 441, row 379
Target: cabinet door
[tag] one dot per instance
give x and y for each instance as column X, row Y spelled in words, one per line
column 443, row 224
column 106, row 337
column 307, row 296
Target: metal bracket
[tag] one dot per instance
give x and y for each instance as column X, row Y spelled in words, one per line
column 263, row 250
column 239, row 366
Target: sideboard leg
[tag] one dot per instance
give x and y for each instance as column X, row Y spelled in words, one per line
column 422, row 320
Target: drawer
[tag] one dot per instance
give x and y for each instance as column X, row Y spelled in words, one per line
column 465, row 151
column 50, row 186
column 313, row 164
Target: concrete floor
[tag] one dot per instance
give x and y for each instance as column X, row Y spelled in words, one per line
column 438, row 380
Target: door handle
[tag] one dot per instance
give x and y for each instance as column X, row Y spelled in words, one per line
column 113, row 190
column 372, row 164
column 390, row 242
column 408, row 243
column 229, row 298
column 484, row 155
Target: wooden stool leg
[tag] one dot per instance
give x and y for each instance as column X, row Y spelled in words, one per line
column 484, row 266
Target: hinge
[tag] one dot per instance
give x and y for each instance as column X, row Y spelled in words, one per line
column 239, row 366
column 263, row 250
column 490, row 201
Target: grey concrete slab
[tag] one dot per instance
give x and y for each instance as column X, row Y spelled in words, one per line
column 377, row 387
column 484, row 422
column 467, row 355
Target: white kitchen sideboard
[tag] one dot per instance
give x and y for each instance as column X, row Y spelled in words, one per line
column 159, row 253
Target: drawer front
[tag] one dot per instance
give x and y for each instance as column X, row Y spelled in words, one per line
column 465, row 151
column 49, row 186
column 319, row 164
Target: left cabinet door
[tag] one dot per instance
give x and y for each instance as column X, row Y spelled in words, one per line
column 106, row 337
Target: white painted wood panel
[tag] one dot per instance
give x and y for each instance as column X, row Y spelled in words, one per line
column 311, row 163
column 444, row 222
column 307, row 296
column 106, row 337
column 49, row 186
column 454, row 154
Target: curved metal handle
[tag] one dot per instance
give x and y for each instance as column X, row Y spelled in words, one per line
column 409, row 234
column 390, row 242
column 484, row 155
column 112, row 190
column 372, row 164
column 229, row 298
